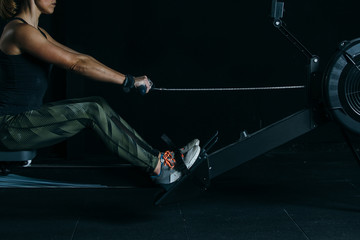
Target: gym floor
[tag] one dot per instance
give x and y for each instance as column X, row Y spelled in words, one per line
column 282, row 195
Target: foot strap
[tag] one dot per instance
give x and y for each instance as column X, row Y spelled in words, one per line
column 180, row 165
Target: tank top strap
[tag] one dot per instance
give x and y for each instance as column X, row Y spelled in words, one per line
column 42, row 33
column 18, row 18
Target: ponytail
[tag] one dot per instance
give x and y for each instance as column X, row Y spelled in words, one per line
column 8, row 8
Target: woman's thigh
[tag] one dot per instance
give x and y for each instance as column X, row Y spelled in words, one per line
column 44, row 127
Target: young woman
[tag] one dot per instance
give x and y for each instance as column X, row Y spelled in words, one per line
column 26, row 53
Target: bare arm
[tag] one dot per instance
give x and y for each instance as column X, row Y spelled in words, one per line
column 30, row 40
column 53, row 41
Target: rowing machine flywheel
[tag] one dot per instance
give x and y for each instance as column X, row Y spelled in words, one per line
column 342, row 85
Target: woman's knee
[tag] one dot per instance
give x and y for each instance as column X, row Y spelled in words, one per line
column 94, row 99
column 97, row 108
column 92, row 106
column 100, row 100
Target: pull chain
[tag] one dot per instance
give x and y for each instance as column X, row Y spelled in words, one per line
column 228, row 89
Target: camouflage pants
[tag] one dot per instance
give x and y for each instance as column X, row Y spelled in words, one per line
column 58, row 121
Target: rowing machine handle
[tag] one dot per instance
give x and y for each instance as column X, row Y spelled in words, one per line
column 142, row 88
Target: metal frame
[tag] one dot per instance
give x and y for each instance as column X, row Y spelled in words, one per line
column 268, row 138
column 280, row 132
column 260, row 142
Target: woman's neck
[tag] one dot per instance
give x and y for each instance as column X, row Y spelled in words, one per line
column 30, row 14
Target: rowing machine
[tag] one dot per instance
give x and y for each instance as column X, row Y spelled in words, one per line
column 333, row 95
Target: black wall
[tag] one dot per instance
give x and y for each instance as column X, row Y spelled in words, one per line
column 196, row 44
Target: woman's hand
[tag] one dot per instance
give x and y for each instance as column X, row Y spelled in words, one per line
column 143, row 81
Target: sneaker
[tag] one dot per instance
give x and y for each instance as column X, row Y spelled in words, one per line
column 191, row 156
column 168, row 173
column 190, row 145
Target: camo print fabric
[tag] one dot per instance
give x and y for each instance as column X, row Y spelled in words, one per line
column 58, row 121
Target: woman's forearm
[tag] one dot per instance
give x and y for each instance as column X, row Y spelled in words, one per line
column 90, row 67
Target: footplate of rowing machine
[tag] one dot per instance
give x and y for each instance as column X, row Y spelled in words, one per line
column 189, row 186
column 193, row 183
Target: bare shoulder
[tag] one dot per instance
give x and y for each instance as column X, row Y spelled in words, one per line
column 18, row 36
column 23, row 38
column 13, row 28
column 8, row 37
column 26, row 32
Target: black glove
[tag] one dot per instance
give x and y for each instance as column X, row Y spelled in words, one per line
column 128, row 83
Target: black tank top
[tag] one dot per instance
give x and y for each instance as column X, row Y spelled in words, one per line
column 23, row 82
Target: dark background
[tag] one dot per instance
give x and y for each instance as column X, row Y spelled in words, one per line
column 191, row 44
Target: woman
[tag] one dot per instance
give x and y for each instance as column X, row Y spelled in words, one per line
column 26, row 53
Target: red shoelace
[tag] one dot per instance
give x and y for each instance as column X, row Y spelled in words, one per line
column 169, row 159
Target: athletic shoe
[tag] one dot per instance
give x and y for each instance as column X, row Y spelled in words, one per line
column 168, row 173
column 191, row 156
column 190, row 145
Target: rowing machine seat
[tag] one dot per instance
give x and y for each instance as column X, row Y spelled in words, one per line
column 15, row 158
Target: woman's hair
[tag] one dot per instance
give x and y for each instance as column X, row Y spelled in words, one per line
column 8, row 8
